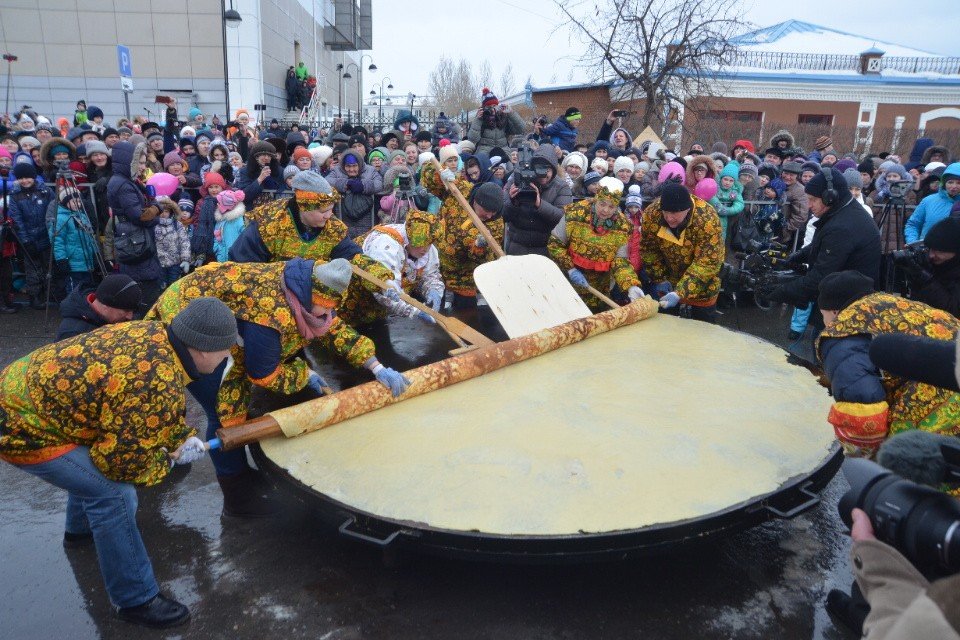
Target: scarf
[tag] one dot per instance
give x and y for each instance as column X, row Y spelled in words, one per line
column 308, row 325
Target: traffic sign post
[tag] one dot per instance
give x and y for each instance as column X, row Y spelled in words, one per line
column 125, row 64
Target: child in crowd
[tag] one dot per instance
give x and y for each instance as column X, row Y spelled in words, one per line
column 729, row 199
column 230, row 222
column 173, row 243
column 204, row 219
column 768, row 215
column 71, row 238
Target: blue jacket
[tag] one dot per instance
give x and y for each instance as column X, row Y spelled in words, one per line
column 932, row 209
column 562, row 134
column 72, row 243
column 28, row 210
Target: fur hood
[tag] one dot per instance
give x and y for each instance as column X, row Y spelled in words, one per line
column 711, row 170
column 716, row 155
column 924, row 160
column 783, row 134
column 46, row 157
column 233, row 214
column 125, row 156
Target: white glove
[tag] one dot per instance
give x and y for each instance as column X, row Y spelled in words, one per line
column 634, row 293
column 481, row 242
column 447, row 175
column 190, row 451
column 670, row 300
column 185, row 266
column 393, row 290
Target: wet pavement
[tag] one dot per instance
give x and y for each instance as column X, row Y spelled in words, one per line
column 295, row 577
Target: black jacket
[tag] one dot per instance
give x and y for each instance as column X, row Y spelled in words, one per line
column 942, row 290
column 528, row 229
column 846, row 238
column 77, row 316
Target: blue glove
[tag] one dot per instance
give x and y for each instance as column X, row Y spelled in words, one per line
column 425, row 317
column 577, row 278
column 435, row 299
column 392, row 379
column 480, row 242
column 393, row 291
column 316, row 383
column 663, row 289
column 670, row 300
column 190, row 451
column 355, row 185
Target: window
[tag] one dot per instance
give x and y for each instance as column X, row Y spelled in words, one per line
column 735, row 116
column 815, row 118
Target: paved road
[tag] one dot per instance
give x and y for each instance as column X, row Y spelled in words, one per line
column 294, row 577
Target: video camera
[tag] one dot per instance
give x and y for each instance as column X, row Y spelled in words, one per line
column 763, row 266
column 899, row 189
column 404, row 183
column 913, row 256
column 524, row 176
column 919, row 521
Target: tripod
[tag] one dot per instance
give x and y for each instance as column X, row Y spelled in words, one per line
column 894, row 213
column 398, row 211
column 80, row 219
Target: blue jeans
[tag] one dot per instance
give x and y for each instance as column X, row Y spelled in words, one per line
column 170, row 275
column 204, row 389
column 108, row 509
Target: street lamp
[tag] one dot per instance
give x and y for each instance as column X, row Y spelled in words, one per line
column 347, row 76
column 229, row 18
column 373, row 93
column 372, row 67
column 10, row 58
column 341, row 75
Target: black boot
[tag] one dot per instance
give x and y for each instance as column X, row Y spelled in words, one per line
column 851, row 610
column 37, row 303
column 244, row 496
column 77, row 540
column 159, row 612
column 7, row 309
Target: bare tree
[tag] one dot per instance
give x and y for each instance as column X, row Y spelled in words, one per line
column 508, row 84
column 484, row 77
column 452, row 85
column 664, row 51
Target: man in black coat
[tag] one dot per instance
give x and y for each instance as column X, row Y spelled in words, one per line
column 935, row 280
column 115, row 300
column 846, row 238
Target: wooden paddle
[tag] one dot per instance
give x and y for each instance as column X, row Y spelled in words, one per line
column 456, row 329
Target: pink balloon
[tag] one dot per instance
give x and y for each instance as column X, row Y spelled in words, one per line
column 164, row 183
column 705, row 189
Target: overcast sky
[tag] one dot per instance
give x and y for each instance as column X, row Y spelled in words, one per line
column 409, row 37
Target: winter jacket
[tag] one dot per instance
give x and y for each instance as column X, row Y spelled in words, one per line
column 356, row 208
column 201, row 228
column 691, row 179
column 941, row 288
column 528, row 230
column 903, row 604
column 607, row 133
column 129, row 206
column 28, row 210
column 487, row 137
column 933, row 208
column 95, row 198
column 844, row 239
column 228, row 228
column 795, row 210
column 728, row 202
column 173, row 243
column 252, row 189
column 451, row 131
column 562, row 134
column 77, row 315
column 119, row 391
column 72, row 241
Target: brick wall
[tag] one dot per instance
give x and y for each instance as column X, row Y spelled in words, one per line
column 593, row 102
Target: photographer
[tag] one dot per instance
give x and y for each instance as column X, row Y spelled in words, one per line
column 936, row 206
column 933, row 268
column 534, row 197
column 844, row 239
column 563, row 131
column 494, row 124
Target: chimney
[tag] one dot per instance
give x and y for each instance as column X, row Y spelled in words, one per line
column 870, row 61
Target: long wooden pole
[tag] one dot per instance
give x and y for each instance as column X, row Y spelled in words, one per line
column 477, row 222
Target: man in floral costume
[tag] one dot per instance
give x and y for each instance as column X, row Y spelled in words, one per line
column 461, row 246
column 682, row 248
column 871, row 404
column 590, row 245
column 97, row 414
column 280, row 308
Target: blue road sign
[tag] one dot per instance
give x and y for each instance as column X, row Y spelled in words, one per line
column 123, row 59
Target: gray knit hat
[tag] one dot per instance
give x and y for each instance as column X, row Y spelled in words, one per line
column 206, row 324
column 334, row 274
column 95, row 146
column 311, row 181
column 30, row 140
column 290, row 171
column 489, row 196
column 853, row 178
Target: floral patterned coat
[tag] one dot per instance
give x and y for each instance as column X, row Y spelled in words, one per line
column 457, row 236
column 690, row 262
column 118, row 389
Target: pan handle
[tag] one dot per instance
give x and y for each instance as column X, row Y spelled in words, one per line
column 347, row 529
column 813, row 499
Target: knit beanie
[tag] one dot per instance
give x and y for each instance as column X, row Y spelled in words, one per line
column 818, row 184
column 24, row 170
column 290, row 171
column 719, row 147
column 748, row 169
column 466, row 146
column 600, row 165
column 186, row 204
column 330, row 280
column 423, row 136
column 675, row 198
column 840, row 289
column 212, row 177
column 312, row 191
column 262, row 148
column 227, row 200
column 33, row 143
column 822, row 143
column 110, row 131
column 321, row 154
column 866, row 167
column 634, row 198
column 591, row 177
column 172, row 158
column 488, row 99
column 95, row 146
column 853, row 178
column 154, row 136
column 447, row 152
column 576, row 159
column 206, row 324
column 643, row 165
column 489, row 196
column 376, row 153
column 194, row 112
column 623, row 162
column 944, row 236
column 572, row 114
column 124, row 130
column 119, row 291
column 424, row 158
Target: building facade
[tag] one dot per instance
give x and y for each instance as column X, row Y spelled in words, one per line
column 67, row 50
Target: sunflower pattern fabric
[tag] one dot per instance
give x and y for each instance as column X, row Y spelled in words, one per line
column 280, row 236
column 912, row 405
column 118, row 389
column 691, row 262
column 252, row 291
column 597, row 250
column 456, row 235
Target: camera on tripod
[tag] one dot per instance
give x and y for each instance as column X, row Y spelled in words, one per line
column 899, row 188
column 404, row 183
column 919, row 521
column 764, row 266
column 911, row 257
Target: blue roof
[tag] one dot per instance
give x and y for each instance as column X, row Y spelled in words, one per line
column 778, row 31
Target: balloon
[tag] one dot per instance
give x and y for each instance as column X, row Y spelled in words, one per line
column 705, row 189
column 164, row 183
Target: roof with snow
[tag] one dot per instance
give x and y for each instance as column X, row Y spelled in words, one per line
column 794, row 36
